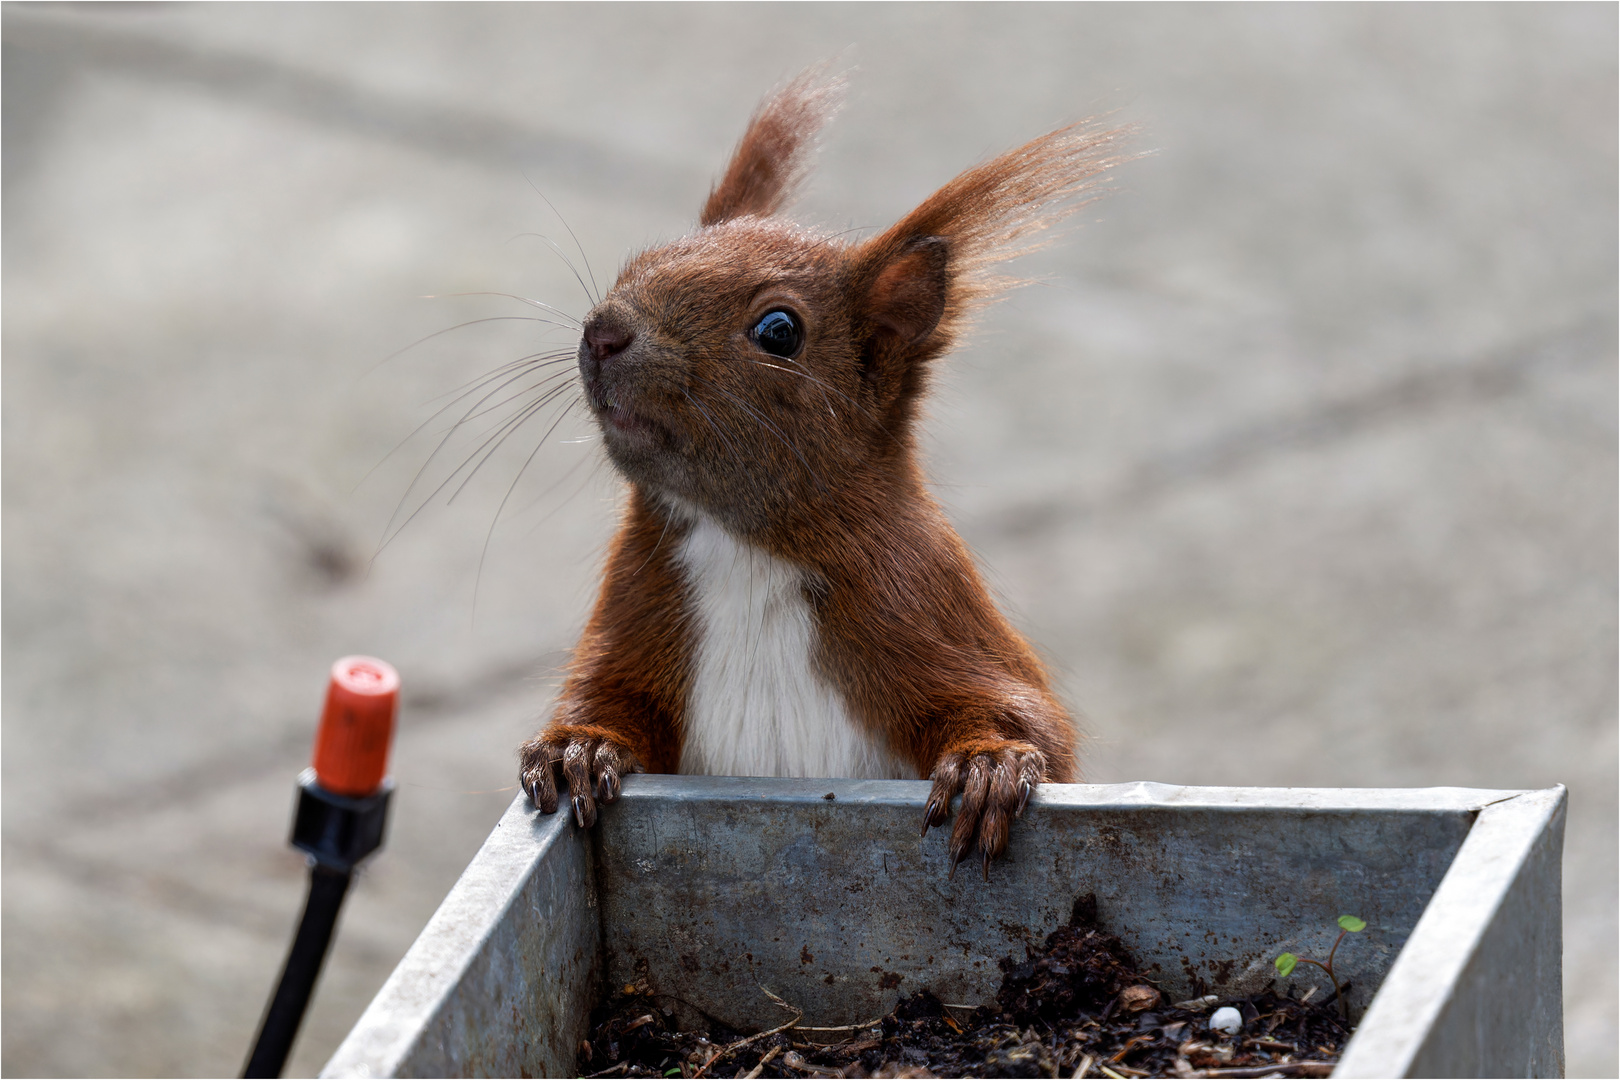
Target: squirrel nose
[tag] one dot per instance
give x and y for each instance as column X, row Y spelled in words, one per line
column 606, row 339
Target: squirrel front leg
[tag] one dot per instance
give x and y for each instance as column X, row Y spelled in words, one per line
column 619, row 711
column 994, row 757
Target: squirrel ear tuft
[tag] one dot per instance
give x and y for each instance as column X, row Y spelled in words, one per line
column 772, row 157
column 1005, row 207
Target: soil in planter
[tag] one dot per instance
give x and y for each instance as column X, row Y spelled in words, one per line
column 1076, row 1006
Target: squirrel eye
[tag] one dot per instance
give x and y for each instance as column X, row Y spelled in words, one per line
column 779, row 333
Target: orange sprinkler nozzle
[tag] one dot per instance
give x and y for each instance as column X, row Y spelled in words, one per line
column 357, row 725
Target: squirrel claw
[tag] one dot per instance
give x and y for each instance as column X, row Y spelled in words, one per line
column 584, row 811
column 539, row 786
column 996, row 783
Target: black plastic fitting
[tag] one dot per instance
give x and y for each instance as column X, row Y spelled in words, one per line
column 338, row 831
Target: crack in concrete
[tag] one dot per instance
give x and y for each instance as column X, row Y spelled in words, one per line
column 309, row 95
column 143, row 886
column 426, row 708
column 1437, row 387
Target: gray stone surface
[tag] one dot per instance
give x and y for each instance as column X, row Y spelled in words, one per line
column 1301, row 468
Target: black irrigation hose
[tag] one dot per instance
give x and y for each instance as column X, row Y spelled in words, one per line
column 327, row 888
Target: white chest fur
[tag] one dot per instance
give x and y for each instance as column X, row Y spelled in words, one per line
column 757, row 705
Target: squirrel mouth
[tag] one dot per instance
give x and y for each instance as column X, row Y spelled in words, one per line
column 623, row 415
column 616, row 416
column 623, row 419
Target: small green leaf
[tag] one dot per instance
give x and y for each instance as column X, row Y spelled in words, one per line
column 1285, row 964
column 1352, row 924
column 672, row 1072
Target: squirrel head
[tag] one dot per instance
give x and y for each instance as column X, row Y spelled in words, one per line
column 767, row 374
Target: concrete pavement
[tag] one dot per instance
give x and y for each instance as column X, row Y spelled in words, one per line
column 1300, row 465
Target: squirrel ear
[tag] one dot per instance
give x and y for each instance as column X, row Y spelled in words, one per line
column 905, row 305
column 907, row 296
column 772, row 156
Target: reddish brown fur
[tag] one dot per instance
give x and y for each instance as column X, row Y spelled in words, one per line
column 812, row 459
column 771, row 158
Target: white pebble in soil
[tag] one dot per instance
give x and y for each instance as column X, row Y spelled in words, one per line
column 1227, row 1020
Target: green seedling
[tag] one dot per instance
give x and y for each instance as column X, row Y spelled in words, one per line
column 1287, row 962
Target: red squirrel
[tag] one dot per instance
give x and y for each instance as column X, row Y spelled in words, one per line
column 783, row 596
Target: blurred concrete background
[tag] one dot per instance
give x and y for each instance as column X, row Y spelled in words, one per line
column 1302, row 466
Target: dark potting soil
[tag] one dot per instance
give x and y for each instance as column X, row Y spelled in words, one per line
column 1075, row 1007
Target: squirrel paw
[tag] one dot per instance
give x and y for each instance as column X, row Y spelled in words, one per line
column 995, row 781
column 591, row 763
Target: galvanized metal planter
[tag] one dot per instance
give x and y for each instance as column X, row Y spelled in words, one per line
column 712, row 887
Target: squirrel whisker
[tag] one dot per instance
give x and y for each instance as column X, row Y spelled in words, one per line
column 595, row 293
column 478, row 578
column 499, row 436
